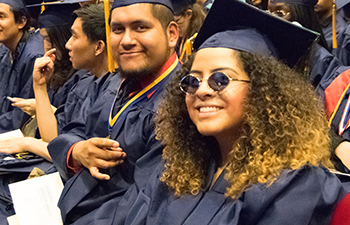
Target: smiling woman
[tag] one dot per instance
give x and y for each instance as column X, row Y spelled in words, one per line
column 240, row 141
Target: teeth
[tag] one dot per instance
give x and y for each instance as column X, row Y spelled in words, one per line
column 208, row 109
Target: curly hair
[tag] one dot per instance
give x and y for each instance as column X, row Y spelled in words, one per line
column 285, row 128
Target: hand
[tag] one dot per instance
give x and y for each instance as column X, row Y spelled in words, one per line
column 12, row 145
column 343, row 153
column 98, row 153
column 27, row 105
column 43, row 68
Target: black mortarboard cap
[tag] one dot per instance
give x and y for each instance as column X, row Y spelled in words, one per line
column 16, row 4
column 181, row 5
column 122, row 3
column 58, row 15
column 310, row 3
column 55, row 2
column 286, row 41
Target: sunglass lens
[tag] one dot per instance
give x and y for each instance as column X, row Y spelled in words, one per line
column 218, row 81
column 189, row 84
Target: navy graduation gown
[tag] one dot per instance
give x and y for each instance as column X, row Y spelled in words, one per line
column 79, row 100
column 16, row 79
column 323, row 63
column 304, row 196
column 87, row 200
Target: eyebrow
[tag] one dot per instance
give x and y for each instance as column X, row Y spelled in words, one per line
column 216, row 70
column 73, row 32
column 141, row 21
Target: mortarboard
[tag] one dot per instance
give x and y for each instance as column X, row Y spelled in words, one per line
column 310, row 3
column 122, row 3
column 180, row 5
column 55, row 2
column 58, row 15
column 16, row 4
column 285, row 41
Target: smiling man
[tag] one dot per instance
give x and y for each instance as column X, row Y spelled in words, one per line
column 143, row 37
column 20, row 47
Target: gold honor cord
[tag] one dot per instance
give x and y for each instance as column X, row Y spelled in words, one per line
column 142, row 92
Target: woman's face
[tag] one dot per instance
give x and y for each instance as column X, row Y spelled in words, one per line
column 183, row 21
column 218, row 114
column 279, row 9
column 48, row 43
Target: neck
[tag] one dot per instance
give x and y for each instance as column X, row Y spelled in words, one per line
column 12, row 44
column 324, row 17
column 100, row 67
column 226, row 144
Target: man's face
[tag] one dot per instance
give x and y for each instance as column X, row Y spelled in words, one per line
column 9, row 29
column 81, row 50
column 139, row 43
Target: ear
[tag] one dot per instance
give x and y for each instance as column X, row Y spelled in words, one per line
column 22, row 23
column 99, row 47
column 173, row 34
column 189, row 13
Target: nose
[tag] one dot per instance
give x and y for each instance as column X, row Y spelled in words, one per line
column 69, row 44
column 204, row 91
column 128, row 40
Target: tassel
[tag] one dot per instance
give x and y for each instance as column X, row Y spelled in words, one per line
column 42, row 7
column 333, row 25
column 111, row 65
column 187, row 48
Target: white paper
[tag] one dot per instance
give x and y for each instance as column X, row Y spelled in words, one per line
column 11, row 134
column 35, row 200
column 12, row 220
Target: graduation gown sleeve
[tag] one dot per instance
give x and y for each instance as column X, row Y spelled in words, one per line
column 16, row 80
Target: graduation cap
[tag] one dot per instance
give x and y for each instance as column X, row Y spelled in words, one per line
column 122, row 3
column 59, row 14
column 15, row 4
column 55, row 2
column 310, row 3
column 285, row 41
column 181, row 5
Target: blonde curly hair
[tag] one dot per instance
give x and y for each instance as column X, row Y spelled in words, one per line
column 285, row 128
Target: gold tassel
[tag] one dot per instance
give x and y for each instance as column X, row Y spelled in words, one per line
column 111, row 64
column 187, row 48
column 42, row 7
column 334, row 29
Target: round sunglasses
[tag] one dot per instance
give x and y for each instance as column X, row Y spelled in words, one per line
column 218, row 81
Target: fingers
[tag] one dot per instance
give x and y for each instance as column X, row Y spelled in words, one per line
column 96, row 173
column 98, row 153
column 50, row 52
column 14, row 99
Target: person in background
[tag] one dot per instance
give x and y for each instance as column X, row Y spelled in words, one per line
column 242, row 145
column 320, row 61
column 324, row 12
column 86, row 51
column 118, row 133
column 20, row 47
column 189, row 15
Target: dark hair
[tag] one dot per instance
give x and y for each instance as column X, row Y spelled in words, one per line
column 93, row 21
column 63, row 68
column 196, row 21
column 306, row 16
column 163, row 14
column 19, row 15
